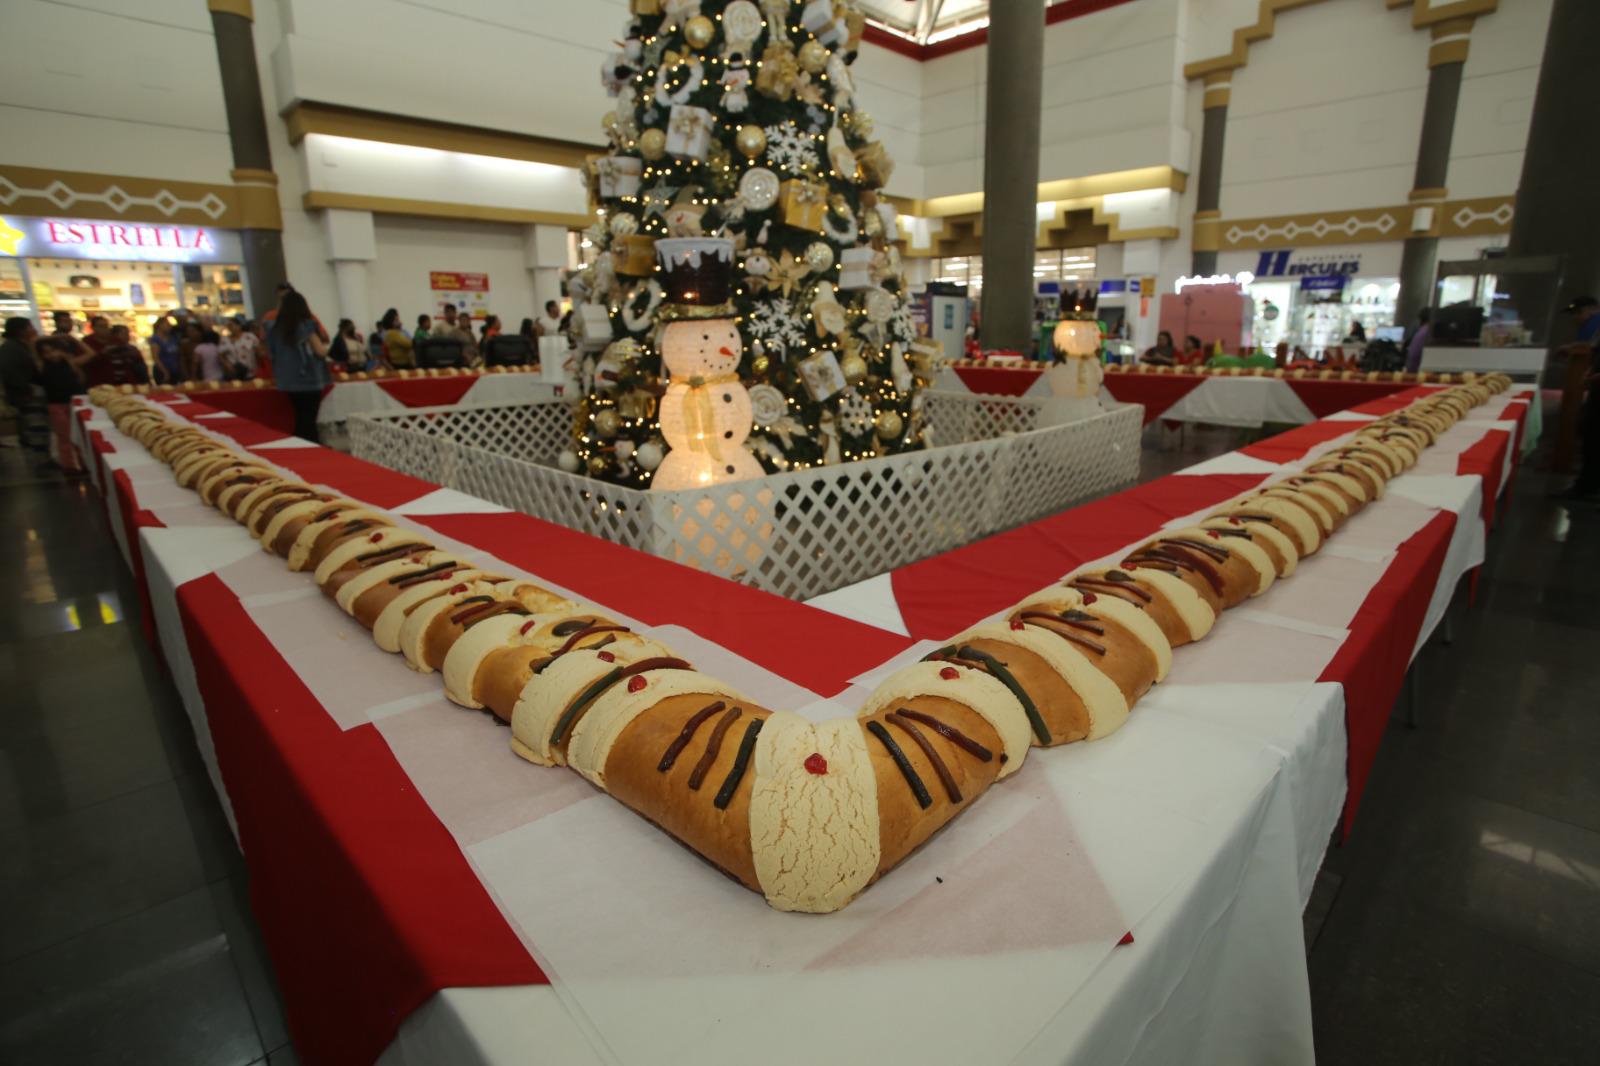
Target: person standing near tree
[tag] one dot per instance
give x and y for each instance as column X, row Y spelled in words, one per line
column 300, row 360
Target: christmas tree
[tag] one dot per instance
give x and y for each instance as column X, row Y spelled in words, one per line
column 737, row 119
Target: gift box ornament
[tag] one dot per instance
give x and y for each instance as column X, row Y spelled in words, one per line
column 821, row 375
column 688, row 131
column 595, row 321
column 618, row 175
column 637, row 257
column 855, row 269
column 818, row 16
column 874, row 165
column 803, row 204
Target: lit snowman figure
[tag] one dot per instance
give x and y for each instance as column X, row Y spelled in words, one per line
column 705, row 414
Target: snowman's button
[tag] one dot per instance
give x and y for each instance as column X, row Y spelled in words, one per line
column 727, row 397
column 728, row 434
column 730, row 469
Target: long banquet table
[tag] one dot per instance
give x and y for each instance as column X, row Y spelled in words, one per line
column 347, row 396
column 1179, row 395
column 428, row 897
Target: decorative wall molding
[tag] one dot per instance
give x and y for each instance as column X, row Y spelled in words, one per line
column 1424, row 14
column 390, row 205
column 34, row 191
column 1485, row 216
column 305, row 117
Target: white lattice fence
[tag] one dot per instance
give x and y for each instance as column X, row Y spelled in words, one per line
column 798, row 534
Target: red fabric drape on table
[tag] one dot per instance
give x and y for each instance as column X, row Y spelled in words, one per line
column 997, row 381
column 941, row 595
column 1155, row 392
column 1372, row 662
column 366, row 903
column 1487, row 459
column 135, row 518
column 1323, row 398
column 269, row 407
column 428, row 392
column 355, row 477
column 808, row 646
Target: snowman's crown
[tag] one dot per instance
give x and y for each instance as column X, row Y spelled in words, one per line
column 696, row 275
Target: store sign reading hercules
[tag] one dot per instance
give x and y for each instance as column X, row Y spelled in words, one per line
column 1283, row 264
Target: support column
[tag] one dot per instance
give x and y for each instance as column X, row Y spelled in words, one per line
column 544, row 252
column 1558, row 201
column 262, row 234
column 1011, row 172
column 1206, row 237
column 1446, row 57
column 352, row 245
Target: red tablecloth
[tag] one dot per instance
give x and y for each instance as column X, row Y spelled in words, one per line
column 998, row 380
column 1154, row 392
column 271, row 408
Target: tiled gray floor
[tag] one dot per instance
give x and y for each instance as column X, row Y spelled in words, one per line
column 125, row 931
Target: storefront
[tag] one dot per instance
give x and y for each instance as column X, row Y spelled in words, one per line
column 132, row 273
column 1312, row 298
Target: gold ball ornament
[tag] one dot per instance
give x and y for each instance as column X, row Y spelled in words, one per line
column 597, row 464
column 854, row 369
column 760, row 364
column 890, row 424
column 813, row 57
column 607, row 422
column 653, row 144
column 819, row 257
column 699, row 31
column 751, row 140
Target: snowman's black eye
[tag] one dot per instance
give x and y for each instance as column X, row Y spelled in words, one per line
column 705, row 336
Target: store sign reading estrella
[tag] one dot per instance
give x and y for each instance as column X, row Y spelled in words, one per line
column 1283, row 264
column 70, row 234
column 81, row 238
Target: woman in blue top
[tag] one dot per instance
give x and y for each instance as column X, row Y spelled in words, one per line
column 299, row 361
column 164, row 352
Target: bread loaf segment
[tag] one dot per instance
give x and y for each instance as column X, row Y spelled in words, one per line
column 956, row 689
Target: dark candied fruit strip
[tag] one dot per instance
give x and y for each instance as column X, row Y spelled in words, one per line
column 998, row 670
column 594, row 691
column 741, row 762
column 681, row 741
column 588, row 631
column 950, row 733
column 933, row 755
column 1092, row 645
column 697, row 776
column 436, row 572
column 909, row 772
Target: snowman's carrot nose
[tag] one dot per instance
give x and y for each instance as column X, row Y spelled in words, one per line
column 725, row 350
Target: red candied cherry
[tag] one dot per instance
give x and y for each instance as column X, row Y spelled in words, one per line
column 607, row 657
column 523, row 631
column 636, row 683
column 1237, row 521
column 376, row 537
column 1017, row 623
column 1214, row 534
column 816, row 764
column 457, row 588
column 1088, row 598
column 949, row 673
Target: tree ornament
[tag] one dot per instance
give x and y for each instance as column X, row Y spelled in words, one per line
column 607, row 422
column 677, row 81
column 819, row 257
column 623, row 225
column 813, row 57
column 855, row 413
column 790, row 148
column 854, row 369
column 653, row 143
column 778, row 72
column 760, row 364
column 767, row 404
column 636, row 405
column 736, row 84
column 741, row 25
column 597, row 465
column 826, row 314
column 751, row 140
column 649, row 454
column 890, row 425
column 758, row 186
column 699, row 31
column 568, row 461
column 821, row 375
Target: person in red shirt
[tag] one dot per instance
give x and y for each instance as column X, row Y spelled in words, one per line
column 1194, row 353
column 117, row 362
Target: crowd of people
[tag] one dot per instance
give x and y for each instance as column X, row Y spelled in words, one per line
column 1165, row 352
column 42, row 371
